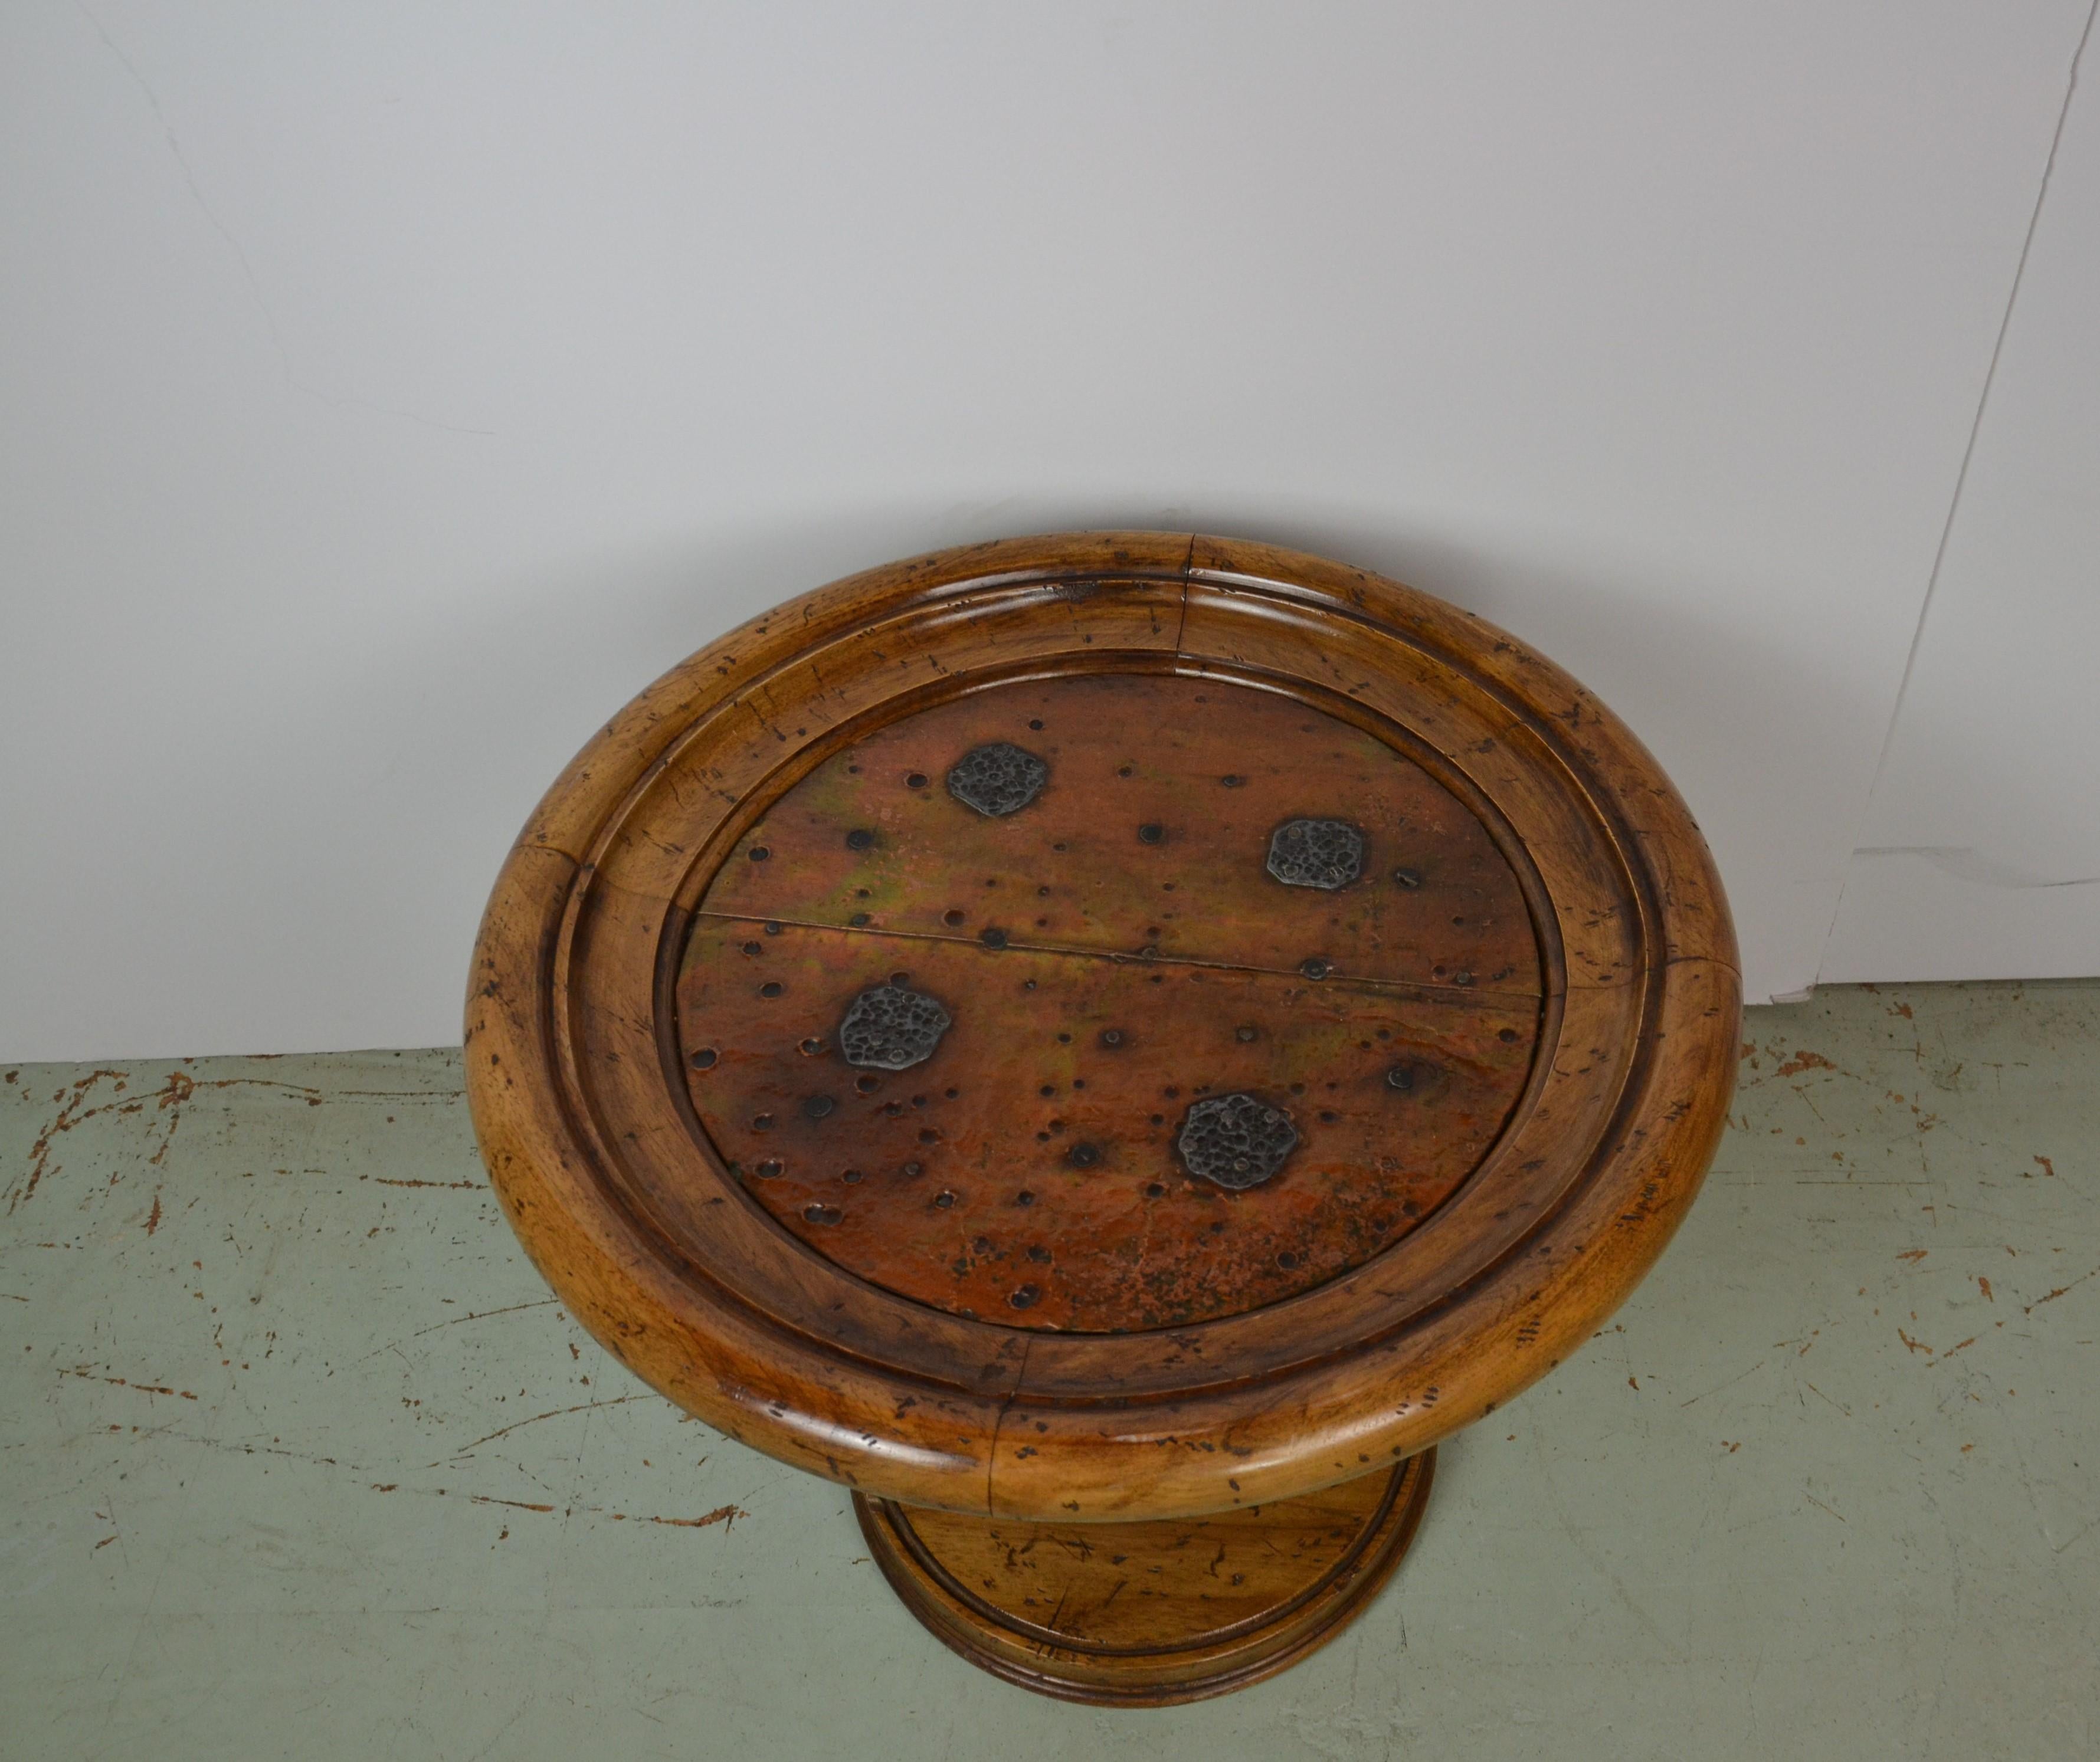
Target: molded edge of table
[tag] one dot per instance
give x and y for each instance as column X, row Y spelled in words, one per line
column 957, row 1440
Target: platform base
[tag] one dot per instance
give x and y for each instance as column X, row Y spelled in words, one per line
column 1144, row 1615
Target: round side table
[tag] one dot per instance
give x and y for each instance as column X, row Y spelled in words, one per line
column 1110, row 1045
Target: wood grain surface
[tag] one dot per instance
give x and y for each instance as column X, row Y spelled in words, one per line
column 1147, row 1614
column 606, row 945
column 1149, row 837
column 1027, row 1172
column 1109, row 953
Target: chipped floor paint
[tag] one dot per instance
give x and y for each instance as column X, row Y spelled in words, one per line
column 299, row 1459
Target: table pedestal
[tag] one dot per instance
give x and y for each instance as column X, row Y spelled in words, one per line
column 1153, row 1612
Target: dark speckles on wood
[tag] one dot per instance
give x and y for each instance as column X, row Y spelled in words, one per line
column 1136, row 758
column 1068, row 1077
column 1177, row 848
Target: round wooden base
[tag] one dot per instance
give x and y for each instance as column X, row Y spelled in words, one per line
column 1150, row 1613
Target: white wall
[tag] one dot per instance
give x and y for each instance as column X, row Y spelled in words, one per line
column 1982, row 840
column 388, row 392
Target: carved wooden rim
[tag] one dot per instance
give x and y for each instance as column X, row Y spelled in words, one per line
column 1218, row 1662
column 588, row 1133
column 1406, row 1489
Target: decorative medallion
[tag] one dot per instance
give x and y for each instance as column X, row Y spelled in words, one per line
column 998, row 779
column 1237, row 1141
column 1315, row 853
column 891, row 1028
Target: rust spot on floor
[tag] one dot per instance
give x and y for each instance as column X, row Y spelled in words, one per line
column 121, row 1382
column 2058, row 1292
column 1805, row 1061
column 720, row 1514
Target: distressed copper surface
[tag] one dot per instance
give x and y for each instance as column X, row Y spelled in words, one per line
column 1152, row 833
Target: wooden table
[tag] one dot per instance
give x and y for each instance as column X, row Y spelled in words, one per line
column 1109, row 1045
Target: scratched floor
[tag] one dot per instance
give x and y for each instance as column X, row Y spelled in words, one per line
column 297, row 1458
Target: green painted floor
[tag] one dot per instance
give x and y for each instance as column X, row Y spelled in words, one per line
column 299, row 1459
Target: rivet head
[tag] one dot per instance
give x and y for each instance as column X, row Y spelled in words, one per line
column 1237, row 1141
column 890, row 1028
column 998, row 779
column 1024, row 1297
column 1399, row 1077
column 1327, row 854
